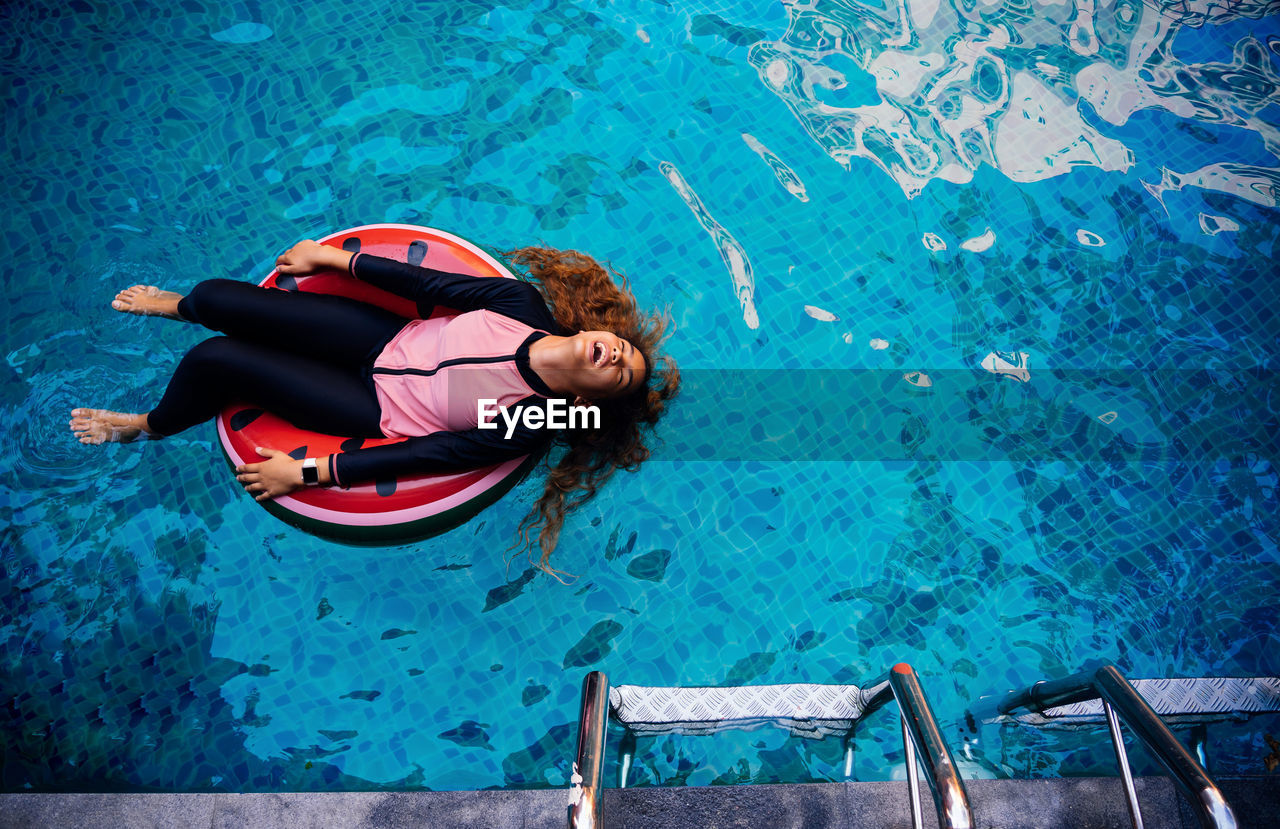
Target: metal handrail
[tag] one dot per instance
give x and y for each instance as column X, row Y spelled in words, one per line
column 586, row 795
column 920, row 734
column 1119, row 697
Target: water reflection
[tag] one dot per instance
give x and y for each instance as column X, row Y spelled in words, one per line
column 964, row 84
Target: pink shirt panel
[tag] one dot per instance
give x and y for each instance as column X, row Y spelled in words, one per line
column 414, row 404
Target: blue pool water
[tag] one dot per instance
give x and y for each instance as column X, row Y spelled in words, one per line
column 975, row 304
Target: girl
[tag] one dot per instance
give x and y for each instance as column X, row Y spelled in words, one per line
column 338, row 366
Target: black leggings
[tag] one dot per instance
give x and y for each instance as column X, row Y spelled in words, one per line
column 298, row 355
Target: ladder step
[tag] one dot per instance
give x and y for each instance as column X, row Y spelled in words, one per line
column 1177, row 701
column 805, row 709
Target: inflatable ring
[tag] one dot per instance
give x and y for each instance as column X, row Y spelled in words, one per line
column 391, row 511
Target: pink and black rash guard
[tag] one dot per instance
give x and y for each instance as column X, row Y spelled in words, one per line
column 429, row 377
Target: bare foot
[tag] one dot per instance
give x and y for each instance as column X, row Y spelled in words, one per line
column 94, row 426
column 148, row 301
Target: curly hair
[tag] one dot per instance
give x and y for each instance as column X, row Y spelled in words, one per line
column 584, row 296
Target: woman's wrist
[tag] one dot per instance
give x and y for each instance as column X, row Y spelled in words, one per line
column 338, row 259
column 316, row 471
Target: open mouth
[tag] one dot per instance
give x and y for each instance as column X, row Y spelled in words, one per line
column 598, row 354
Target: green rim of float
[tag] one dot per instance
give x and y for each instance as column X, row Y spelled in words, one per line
column 391, row 511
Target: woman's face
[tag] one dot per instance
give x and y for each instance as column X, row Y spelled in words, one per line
column 605, row 366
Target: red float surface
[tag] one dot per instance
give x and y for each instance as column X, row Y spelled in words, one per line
column 389, row 511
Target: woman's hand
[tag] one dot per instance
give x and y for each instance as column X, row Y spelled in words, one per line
column 308, row 257
column 278, row 475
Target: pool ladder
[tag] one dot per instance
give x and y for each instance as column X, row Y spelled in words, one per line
column 1104, row 694
column 1068, row 701
column 816, row 709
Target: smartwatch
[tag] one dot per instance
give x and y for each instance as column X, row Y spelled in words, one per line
column 310, row 474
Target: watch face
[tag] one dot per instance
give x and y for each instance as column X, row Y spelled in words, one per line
column 310, row 475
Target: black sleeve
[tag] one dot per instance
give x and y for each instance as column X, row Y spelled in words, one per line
column 439, row 452
column 429, row 287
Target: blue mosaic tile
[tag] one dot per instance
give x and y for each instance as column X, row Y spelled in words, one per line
column 878, row 238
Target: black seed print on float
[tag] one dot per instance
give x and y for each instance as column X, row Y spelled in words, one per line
column 243, row 418
column 417, row 252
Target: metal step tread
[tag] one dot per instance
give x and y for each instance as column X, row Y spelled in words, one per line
column 809, row 709
column 1178, row 701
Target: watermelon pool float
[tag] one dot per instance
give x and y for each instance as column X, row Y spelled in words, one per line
column 394, row 510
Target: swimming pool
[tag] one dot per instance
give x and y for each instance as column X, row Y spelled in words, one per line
column 847, row 217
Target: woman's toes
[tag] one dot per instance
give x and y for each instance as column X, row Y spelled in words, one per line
column 147, row 301
column 87, row 426
column 129, row 298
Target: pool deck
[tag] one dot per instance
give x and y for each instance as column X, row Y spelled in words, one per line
column 1072, row 803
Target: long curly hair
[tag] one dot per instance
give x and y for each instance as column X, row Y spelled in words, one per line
column 585, row 296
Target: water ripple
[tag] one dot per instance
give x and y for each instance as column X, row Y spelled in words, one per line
column 37, row 437
column 731, row 251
